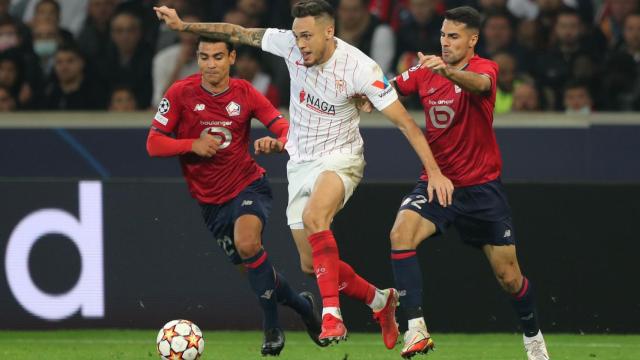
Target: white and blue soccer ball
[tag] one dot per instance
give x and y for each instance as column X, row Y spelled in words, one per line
column 180, row 340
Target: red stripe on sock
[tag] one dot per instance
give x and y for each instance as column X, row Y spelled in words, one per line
column 258, row 262
column 403, row 255
column 525, row 286
column 326, row 266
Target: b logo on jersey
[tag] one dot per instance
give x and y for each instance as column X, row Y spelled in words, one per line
column 316, row 104
column 441, row 116
column 164, row 106
column 233, row 109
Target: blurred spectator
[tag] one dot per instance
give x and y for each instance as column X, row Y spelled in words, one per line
column 46, row 40
column 130, row 59
column 167, row 37
column 248, row 67
column 571, row 55
column 94, row 35
column 70, row 13
column 528, row 9
column 356, row 26
column 7, row 101
column 419, row 31
column 506, row 81
column 577, row 98
column 256, row 12
column 122, row 99
column 48, row 11
column 235, row 16
column 611, row 18
column 12, row 76
column 14, row 45
column 71, row 88
column 497, row 35
column 529, row 38
column 488, row 6
column 622, row 79
column 175, row 62
column 525, row 98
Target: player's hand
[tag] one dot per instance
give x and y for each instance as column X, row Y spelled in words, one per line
column 434, row 63
column 206, row 146
column 442, row 187
column 267, row 145
column 170, row 17
column 362, row 103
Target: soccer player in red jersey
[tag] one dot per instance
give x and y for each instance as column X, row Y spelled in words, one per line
column 458, row 93
column 210, row 116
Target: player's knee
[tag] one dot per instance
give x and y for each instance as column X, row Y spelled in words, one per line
column 314, row 222
column 248, row 246
column 400, row 239
column 509, row 281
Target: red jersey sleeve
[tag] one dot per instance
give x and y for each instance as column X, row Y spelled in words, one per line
column 169, row 110
column 408, row 82
column 159, row 143
column 488, row 68
column 267, row 114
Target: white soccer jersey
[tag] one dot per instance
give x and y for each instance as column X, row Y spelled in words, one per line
column 323, row 116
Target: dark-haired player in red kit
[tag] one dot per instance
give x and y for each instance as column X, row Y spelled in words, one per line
column 458, row 92
column 210, row 116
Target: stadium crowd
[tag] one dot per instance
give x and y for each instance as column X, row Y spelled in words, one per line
column 576, row 56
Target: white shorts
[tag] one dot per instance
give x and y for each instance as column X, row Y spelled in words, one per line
column 302, row 177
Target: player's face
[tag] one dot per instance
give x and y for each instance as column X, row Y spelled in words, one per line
column 457, row 42
column 214, row 61
column 312, row 36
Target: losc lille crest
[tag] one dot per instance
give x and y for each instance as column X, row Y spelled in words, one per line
column 233, row 109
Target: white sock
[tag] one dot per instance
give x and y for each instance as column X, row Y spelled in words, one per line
column 417, row 323
column 335, row 311
column 379, row 300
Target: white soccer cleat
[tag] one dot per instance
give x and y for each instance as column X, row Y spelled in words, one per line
column 416, row 341
column 535, row 347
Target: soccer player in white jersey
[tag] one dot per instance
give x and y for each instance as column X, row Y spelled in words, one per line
column 325, row 147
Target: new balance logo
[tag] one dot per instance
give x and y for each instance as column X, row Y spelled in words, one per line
column 247, row 203
column 267, row 294
column 198, row 107
column 342, row 286
column 507, row 233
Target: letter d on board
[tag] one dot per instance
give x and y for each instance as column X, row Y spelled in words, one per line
column 87, row 295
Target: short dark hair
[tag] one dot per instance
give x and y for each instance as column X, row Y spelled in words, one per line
column 55, row 4
column 315, row 8
column 214, row 40
column 577, row 84
column 72, row 47
column 466, row 15
column 568, row 11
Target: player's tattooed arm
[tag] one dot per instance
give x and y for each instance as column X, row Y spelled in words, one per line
column 223, row 31
column 229, row 32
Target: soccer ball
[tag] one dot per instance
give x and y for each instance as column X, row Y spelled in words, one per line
column 180, row 340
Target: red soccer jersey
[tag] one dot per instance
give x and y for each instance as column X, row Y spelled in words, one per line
column 188, row 110
column 458, row 123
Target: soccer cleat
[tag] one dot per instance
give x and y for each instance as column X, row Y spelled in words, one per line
column 273, row 342
column 313, row 323
column 333, row 330
column 535, row 347
column 416, row 341
column 387, row 319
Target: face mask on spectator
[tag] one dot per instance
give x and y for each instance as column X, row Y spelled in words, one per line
column 45, row 47
column 7, row 41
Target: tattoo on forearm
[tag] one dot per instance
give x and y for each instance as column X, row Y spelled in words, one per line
column 227, row 32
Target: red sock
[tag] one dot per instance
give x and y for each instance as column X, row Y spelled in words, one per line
column 354, row 286
column 325, row 265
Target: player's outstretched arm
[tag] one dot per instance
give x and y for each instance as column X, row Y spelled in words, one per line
column 469, row 81
column 223, row 31
column 438, row 183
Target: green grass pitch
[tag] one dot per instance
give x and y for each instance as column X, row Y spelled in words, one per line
column 140, row 344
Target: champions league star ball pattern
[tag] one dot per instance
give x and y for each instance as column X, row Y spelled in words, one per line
column 180, row 340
